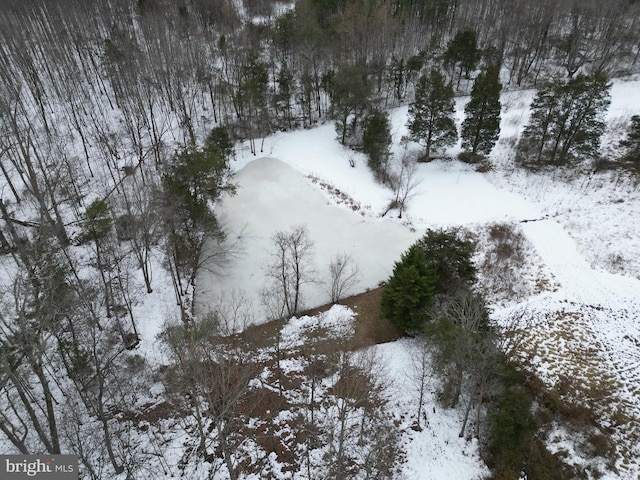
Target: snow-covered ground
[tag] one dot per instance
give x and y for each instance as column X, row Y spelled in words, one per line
column 273, row 197
column 436, row 452
column 585, row 234
column 307, row 180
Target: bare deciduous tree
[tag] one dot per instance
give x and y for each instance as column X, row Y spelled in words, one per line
column 233, row 311
column 290, row 268
column 343, row 276
column 359, row 434
column 404, row 184
column 211, row 380
column 515, row 330
column 419, row 375
column 467, row 355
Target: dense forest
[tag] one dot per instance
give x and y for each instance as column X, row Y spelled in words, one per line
column 118, row 121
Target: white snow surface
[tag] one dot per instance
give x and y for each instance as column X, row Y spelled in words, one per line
column 274, row 197
column 436, row 452
column 280, row 192
column 587, row 328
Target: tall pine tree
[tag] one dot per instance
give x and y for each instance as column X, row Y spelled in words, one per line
column 252, row 98
column 409, row 292
column 350, row 90
column 431, row 120
column 376, row 141
column 632, row 144
column 567, row 121
column 481, row 127
column 463, row 51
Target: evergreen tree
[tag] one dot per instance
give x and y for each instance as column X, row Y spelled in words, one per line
column 376, row 141
column 463, row 51
column 252, row 98
column 632, row 143
column 349, row 89
column 220, row 138
column 253, row 87
column 415, row 64
column 481, row 127
column 437, row 266
column 194, row 179
column 567, row 121
column 282, row 98
column 97, row 222
column 397, row 76
column 283, row 32
column 197, row 175
column 449, row 256
column 431, row 120
column 409, row 291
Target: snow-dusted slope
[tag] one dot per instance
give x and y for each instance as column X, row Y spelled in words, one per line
column 436, row 452
column 587, row 334
column 308, row 181
column 579, row 279
column 586, row 330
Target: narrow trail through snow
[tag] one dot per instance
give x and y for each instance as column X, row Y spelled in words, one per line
column 579, row 279
column 606, row 313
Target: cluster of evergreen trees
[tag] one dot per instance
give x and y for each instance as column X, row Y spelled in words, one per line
column 431, row 115
column 567, row 121
column 116, row 131
column 432, row 295
column 428, row 275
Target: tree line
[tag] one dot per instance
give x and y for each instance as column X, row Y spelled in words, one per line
column 434, row 296
column 117, row 126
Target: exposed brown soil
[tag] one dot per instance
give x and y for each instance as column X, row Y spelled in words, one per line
column 370, row 328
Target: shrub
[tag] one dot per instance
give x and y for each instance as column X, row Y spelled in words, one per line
column 437, row 266
column 376, row 140
column 632, row 145
column 511, row 425
column 504, row 260
column 483, row 165
column 470, row 157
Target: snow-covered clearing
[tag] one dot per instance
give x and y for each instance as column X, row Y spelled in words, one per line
column 307, row 180
column 588, row 329
column 274, row 197
column 436, row 452
column 586, row 338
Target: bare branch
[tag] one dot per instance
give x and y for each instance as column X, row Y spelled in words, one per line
column 343, row 276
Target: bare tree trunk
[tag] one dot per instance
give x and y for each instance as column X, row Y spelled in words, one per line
column 33, row 416
column 479, row 409
column 465, row 419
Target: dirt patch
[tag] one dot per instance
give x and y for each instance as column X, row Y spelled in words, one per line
column 371, row 329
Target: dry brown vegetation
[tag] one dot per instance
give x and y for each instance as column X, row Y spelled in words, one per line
column 309, row 392
column 371, row 329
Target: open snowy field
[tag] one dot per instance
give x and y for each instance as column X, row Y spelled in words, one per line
column 584, row 232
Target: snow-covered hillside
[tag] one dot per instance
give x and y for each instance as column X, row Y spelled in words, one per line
column 587, row 329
